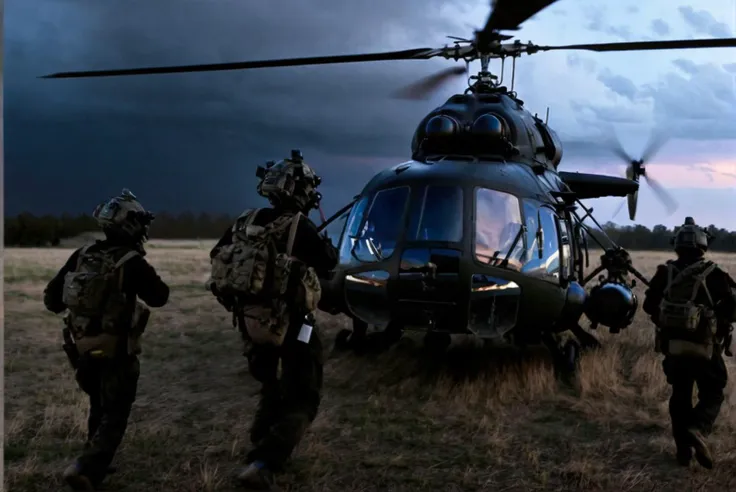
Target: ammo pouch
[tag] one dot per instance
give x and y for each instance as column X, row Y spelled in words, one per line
column 267, row 324
column 107, row 345
column 692, row 343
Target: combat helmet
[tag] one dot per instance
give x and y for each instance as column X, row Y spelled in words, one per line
column 123, row 215
column 290, row 183
column 690, row 237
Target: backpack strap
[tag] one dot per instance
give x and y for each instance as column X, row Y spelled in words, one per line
column 251, row 217
column 700, row 281
column 670, row 277
column 292, row 232
column 81, row 255
column 127, row 256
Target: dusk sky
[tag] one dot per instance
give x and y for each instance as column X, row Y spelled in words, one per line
column 193, row 141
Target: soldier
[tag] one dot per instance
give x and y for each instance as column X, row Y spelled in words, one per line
column 692, row 304
column 99, row 285
column 265, row 270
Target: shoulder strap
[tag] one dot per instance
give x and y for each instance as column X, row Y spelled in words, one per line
column 127, row 256
column 251, row 216
column 670, row 276
column 292, row 232
column 700, row 281
column 81, row 254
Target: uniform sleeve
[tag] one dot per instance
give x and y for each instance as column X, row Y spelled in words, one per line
column 146, row 283
column 227, row 238
column 313, row 249
column 53, row 293
column 724, row 297
column 653, row 295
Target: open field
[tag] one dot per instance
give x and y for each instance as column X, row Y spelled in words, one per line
column 477, row 420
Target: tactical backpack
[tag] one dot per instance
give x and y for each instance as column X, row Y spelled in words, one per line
column 254, row 272
column 93, row 294
column 688, row 328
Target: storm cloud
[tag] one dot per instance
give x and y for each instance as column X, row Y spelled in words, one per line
column 192, row 141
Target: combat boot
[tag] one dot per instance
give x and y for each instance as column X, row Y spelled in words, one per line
column 684, row 455
column 256, row 476
column 76, row 479
column 110, row 469
column 702, row 453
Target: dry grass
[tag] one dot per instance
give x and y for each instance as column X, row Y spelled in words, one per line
column 479, row 419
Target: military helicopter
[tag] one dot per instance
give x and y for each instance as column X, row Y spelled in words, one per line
column 479, row 233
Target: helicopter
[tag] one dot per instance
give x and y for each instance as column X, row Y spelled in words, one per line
column 478, row 233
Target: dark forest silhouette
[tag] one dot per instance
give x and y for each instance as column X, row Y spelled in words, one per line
column 29, row 230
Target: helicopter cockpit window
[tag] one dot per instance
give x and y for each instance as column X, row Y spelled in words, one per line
column 549, row 264
column 373, row 230
column 566, row 249
column 441, row 215
column 498, row 228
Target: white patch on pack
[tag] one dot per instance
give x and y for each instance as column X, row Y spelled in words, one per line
column 305, row 333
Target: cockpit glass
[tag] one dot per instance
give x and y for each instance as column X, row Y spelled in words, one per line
column 498, row 227
column 441, row 216
column 374, row 226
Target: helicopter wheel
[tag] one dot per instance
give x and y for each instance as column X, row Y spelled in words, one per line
column 570, row 356
column 565, row 356
column 436, row 341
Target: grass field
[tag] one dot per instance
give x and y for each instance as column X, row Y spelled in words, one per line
column 479, row 419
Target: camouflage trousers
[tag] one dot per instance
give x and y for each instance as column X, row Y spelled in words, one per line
column 111, row 385
column 711, row 377
column 288, row 404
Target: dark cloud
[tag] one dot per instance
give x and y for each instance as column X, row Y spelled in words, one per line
column 596, row 21
column 700, row 104
column 687, row 66
column 696, row 103
column 703, row 22
column 619, row 84
column 193, row 140
column 660, row 27
column 574, row 60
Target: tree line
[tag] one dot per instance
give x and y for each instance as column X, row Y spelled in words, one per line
column 27, row 230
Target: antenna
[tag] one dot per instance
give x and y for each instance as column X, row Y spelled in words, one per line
column 546, row 120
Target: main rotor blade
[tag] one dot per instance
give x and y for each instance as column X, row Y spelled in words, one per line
column 419, row 54
column 510, row 14
column 680, row 44
column 425, row 87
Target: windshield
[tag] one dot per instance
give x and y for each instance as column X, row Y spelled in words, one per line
column 441, row 215
column 374, row 226
column 497, row 228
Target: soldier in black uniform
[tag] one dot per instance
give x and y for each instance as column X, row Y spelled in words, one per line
column 690, row 426
column 289, row 405
column 109, row 377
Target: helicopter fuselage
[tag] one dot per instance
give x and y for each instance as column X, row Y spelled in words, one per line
column 475, row 234
column 459, row 247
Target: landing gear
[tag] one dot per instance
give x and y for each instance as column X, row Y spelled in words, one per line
column 566, row 350
column 437, row 341
column 360, row 341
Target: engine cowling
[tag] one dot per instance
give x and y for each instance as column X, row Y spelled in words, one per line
column 611, row 304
